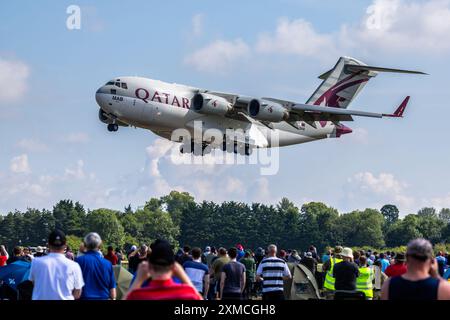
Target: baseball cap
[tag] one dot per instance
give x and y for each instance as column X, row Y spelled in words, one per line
column 162, row 253
column 309, row 254
column 57, row 238
column 39, row 249
column 208, row 249
column 420, row 249
column 239, row 247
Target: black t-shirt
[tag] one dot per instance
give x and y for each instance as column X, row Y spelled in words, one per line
column 184, row 258
column 310, row 263
column 345, row 274
column 233, row 271
column 14, row 259
column 134, row 261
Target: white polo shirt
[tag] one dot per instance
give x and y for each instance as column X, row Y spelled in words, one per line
column 55, row 277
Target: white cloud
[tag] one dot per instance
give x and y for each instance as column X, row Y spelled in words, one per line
column 20, row 164
column 15, row 74
column 32, row 145
column 438, row 202
column 385, row 182
column 392, row 26
column 77, row 137
column 77, row 172
column 235, row 186
column 218, row 56
column 28, row 187
column 401, row 26
column 360, row 135
column 259, row 191
column 296, row 37
column 368, row 190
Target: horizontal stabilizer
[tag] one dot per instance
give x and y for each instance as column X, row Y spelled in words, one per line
column 356, row 68
column 400, row 110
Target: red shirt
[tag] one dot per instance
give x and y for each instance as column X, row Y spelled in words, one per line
column 112, row 258
column 396, row 269
column 3, row 260
column 164, row 290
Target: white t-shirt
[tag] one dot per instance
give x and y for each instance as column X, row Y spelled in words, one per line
column 55, row 277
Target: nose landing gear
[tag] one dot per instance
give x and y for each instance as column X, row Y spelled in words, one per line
column 113, row 127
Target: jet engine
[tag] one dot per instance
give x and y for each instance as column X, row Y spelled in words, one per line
column 210, row 104
column 267, row 111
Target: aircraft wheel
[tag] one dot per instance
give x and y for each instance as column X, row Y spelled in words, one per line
column 112, row 127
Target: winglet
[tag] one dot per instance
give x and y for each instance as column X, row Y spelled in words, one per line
column 400, row 110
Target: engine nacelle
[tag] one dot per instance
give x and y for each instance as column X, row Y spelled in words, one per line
column 267, row 111
column 210, row 104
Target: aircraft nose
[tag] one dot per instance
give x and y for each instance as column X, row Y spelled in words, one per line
column 98, row 94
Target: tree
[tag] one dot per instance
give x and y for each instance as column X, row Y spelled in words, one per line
column 403, row 231
column 390, row 213
column 196, row 223
column 290, row 215
column 73, row 242
column 176, row 202
column 427, row 212
column 430, row 226
column 319, row 226
column 106, row 224
column 444, row 215
column 446, row 234
column 8, row 234
column 69, row 217
column 362, row 227
column 156, row 224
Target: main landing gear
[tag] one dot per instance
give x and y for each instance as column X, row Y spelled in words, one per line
column 200, row 150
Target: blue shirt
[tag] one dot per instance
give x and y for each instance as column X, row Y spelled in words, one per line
column 384, row 264
column 196, row 271
column 447, row 274
column 98, row 276
column 240, row 254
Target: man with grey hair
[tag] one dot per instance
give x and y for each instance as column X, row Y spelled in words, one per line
column 421, row 280
column 98, row 272
column 272, row 271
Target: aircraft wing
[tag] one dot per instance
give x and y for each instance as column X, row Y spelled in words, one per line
column 302, row 112
column 306, row 112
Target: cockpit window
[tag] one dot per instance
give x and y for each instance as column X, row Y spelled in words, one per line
column 118, row 84
column 124, row 85
column 109, row 83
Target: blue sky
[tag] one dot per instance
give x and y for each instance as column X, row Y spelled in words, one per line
column 52, row 145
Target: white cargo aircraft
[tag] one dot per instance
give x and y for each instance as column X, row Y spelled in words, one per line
column 265, row 122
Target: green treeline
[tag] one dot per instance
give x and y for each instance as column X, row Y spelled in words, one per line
column 179, row 219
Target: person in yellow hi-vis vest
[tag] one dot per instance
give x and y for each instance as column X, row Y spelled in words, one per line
column 328, row 269
column 364, row 283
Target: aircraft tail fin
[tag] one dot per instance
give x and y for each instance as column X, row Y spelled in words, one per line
column 342, row 84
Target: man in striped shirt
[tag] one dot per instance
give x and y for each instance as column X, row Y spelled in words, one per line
column 272, row 271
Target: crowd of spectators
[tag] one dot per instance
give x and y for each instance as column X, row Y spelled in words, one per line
column 236, row 273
